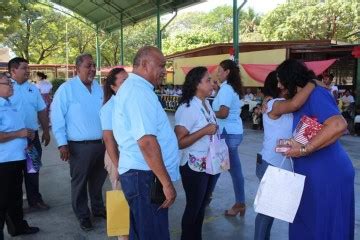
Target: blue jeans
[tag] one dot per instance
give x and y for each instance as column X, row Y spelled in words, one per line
column 147, row 221
column 263, row 223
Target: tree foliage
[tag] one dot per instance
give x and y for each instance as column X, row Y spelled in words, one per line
column 313, row 20
column 38, row 33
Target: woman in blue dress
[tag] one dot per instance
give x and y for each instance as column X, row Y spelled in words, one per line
column 326, row 210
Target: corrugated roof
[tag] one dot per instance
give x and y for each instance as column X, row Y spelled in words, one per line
column 106, row 14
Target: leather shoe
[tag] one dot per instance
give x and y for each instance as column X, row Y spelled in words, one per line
column 86, row 224
column 39, row 206
column 26, row 231
column 100, row 214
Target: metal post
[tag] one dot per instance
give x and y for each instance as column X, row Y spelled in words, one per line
column 98, row 57
column 158, row 25
column 236, row 13
column 121, row 41
column 235, row 31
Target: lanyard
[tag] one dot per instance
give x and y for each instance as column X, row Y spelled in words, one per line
column 210, row 118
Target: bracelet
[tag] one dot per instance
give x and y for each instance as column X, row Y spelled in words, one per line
column 303, row 150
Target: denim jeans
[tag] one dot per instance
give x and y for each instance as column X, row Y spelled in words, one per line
column 233, row 141
column 263, row 223
column 197, row 186
column 147, row 221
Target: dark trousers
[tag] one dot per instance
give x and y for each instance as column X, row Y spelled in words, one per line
column 198, row 188
column 11, row 177
column 87, row 176
column 32, row 179
column 147, row 221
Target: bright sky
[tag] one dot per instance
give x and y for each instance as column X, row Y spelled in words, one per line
column 261, row 6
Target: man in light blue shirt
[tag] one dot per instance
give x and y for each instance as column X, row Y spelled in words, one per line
column 13, row 142
column 77, row 129
column 148, row 147
column 28, row 101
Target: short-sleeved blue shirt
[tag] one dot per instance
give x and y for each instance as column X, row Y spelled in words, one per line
column 138, row 112
column 10, row 121
column 229, row 98
column 28, row 101
column 106, row 112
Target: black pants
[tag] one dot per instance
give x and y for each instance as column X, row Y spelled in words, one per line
column 87, row 175
column 32, row 179
column 11, row 177
column 197, row 186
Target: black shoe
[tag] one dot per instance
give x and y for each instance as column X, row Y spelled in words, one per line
column 100, row 214
column 86, row 224
column 39, row 206
column 26, row 231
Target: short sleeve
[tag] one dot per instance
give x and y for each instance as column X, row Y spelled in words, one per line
column 106, row 117
column 142, row 113
column 322, row 105
column 40, row 101
column 225, row 95
column 185, row 116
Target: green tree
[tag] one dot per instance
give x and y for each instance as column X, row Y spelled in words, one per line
column 332, row 19
column 9, row 17
column 39, row 34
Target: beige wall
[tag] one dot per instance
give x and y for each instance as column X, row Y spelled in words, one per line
column 4, row 54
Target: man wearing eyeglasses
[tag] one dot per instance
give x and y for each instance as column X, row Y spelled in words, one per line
column 13, row 141
column 77, row 129
column 28, row 101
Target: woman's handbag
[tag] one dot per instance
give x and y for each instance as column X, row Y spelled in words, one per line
column 218, row 159
column 279, row 193
column 117, row 214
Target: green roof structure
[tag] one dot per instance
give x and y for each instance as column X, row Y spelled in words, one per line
column 111, row 15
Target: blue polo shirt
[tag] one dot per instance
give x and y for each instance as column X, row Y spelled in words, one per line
column 10, row 121
column 75, row 112
column 229, row 98
column 106, row 114
column 138, row 112
column 28, row 101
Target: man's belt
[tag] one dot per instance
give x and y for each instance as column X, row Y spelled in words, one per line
column 87, row 141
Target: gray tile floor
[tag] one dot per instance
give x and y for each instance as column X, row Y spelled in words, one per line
column 60, row 223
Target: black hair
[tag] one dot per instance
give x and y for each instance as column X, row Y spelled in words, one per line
column 192, row 80
column 293, row 73
column 110, row 81
column 41, row 75
column 271, row 86
column 233, row 79
column 15, row 63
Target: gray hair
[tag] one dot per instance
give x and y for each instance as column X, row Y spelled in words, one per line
column 80, row 59
column 142, row 53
